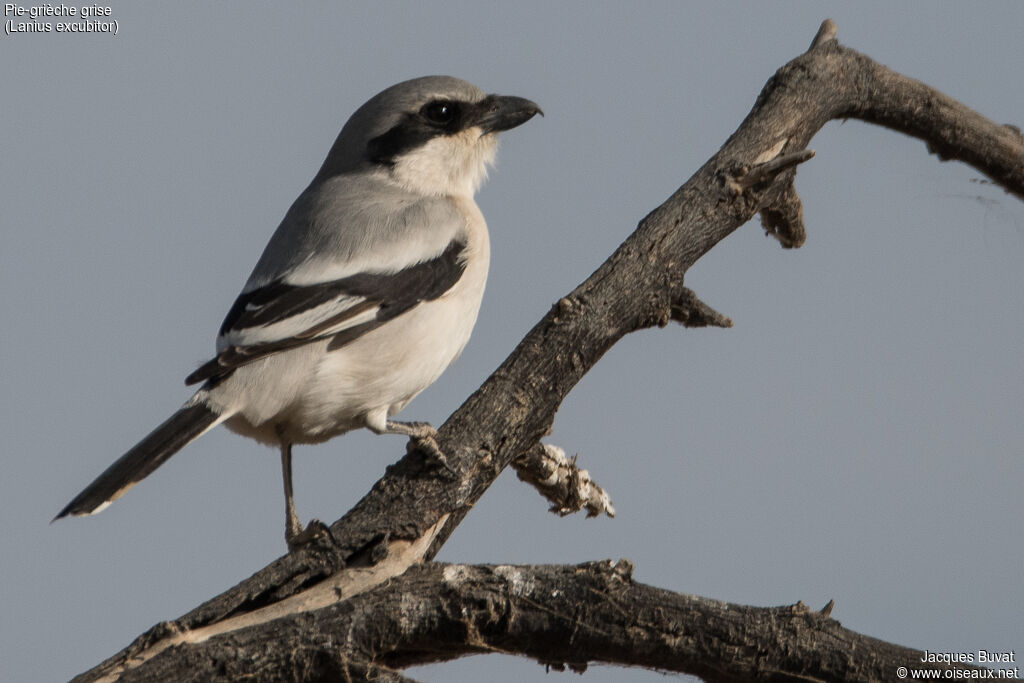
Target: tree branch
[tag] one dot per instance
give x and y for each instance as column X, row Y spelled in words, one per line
column 559, row 615
column 566, row 486
column 412, row 510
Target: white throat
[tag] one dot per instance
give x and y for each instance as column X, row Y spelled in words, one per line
column 449, row 165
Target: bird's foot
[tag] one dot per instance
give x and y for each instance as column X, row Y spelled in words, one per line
column 422, row 438
column 427, row 446
column 297, row 537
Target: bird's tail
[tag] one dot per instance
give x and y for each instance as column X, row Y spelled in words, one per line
column 193, row 420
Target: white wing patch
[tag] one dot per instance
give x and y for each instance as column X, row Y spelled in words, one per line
column 311, row 322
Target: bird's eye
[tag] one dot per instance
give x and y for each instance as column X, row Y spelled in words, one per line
column 440, row 112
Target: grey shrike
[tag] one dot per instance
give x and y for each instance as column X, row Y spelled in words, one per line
column 367, row 291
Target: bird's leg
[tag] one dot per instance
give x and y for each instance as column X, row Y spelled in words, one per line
column 294, row 535
column 423, row 437
column 292, row 526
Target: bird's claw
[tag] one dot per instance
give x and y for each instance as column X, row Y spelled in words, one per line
column 315, row 530
column 427, row 445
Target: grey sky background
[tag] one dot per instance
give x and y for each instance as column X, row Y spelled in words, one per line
column 857, row 436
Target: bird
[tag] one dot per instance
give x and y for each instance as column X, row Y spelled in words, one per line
column 366, row 292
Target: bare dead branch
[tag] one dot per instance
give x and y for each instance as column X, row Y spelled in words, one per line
column 560, row 615
column 557, row 478
column 690, row 311
column 768, row 170
column 950, row 129
column 783, row 219
column 826, row 32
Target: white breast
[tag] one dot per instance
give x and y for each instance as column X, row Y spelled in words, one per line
column 319, row 393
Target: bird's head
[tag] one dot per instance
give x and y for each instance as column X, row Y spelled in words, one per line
column 434, row 135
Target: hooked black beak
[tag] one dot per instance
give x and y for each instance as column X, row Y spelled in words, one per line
column 496, row 113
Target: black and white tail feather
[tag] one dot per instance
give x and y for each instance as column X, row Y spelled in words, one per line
column 193, row 420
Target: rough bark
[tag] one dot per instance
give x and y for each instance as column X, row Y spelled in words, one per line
column 557, row 478
column 561, row 616
column 407, row 516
